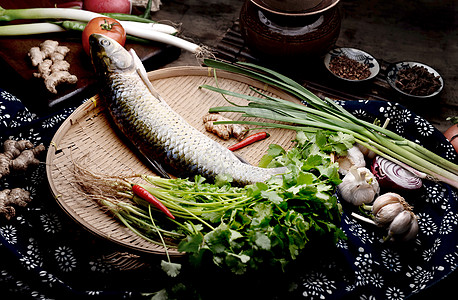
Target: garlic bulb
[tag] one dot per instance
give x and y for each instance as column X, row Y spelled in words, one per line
column 392, row 211
column 354, row 158
column 359, row 186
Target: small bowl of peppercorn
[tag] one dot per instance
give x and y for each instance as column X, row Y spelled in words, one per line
column 351, row 64
column 414, row 79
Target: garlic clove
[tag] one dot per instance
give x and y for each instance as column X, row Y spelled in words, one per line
column 388, row 213
column 385, row 199
column 413, row 230
column 401, row 223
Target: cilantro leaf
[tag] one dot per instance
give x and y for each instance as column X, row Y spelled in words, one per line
column 172, row 269
column 191, row 243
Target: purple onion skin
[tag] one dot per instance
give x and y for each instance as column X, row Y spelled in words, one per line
column 393, row 176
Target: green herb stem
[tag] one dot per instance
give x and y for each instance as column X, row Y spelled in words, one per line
column 327, row 114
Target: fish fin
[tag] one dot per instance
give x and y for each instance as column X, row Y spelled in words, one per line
column 141, row 71
column 242, row 159
column 157, row 167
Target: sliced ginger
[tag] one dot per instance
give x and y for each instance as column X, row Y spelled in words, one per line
column 224, row 131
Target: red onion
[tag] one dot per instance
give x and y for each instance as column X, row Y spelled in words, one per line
column 392, row 175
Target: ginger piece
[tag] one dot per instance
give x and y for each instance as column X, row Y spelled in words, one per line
column 39, row 54
column 47, row 67
column 36, row 56
column 224, row 131
column 59, row 53
column 48, row 47
column 61, row 65
column 49, row 58
column 8, row 198
column 57, row 78
column 18, row 156
column 44, row 69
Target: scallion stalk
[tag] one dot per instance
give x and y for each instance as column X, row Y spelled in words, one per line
column 29, row 29
column 327, row 114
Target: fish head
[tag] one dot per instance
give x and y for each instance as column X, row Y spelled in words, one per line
column 108, row 56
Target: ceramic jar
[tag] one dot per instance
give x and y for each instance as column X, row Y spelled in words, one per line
column 289, row 35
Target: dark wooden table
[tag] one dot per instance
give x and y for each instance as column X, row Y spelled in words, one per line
column 17, row 70
column 392, row 31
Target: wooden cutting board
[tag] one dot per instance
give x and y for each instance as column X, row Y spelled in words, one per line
column 17, row 70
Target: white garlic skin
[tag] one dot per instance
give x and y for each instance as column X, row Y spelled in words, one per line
column 401, row 223
column 354, row 158
column 412, row 232
column 359, row 186
column 386, row 199
column 388, row 213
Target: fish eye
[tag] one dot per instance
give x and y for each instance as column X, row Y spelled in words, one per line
column 104, row 42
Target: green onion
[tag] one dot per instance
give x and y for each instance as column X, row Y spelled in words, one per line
column 29, row 29
column 327, row 114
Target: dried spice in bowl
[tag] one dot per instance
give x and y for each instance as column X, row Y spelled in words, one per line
column 348, row 68
column 417, row 80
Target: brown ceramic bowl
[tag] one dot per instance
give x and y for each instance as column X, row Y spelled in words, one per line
column 392, row 77
column 288, row 37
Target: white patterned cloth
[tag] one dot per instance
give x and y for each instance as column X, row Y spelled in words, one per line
column 46, row 255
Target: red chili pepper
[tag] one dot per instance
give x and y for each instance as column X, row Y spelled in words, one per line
column 145, row 195
column 249, row 140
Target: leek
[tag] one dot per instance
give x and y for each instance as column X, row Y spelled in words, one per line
column 327, row 114
column 29, row 29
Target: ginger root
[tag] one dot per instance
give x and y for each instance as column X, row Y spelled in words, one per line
column 18, row 156
column 224, row 131
column 49, row 60
column 8, row 198
column 57, row 78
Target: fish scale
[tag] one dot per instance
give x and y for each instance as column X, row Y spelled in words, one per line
column 156, row 129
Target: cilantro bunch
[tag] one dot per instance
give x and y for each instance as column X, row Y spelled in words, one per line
column 241, row 228
column 283, row 214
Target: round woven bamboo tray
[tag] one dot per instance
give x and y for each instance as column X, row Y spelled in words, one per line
column 88, row 132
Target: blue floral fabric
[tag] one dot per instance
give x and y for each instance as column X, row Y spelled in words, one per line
column 44, row 254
